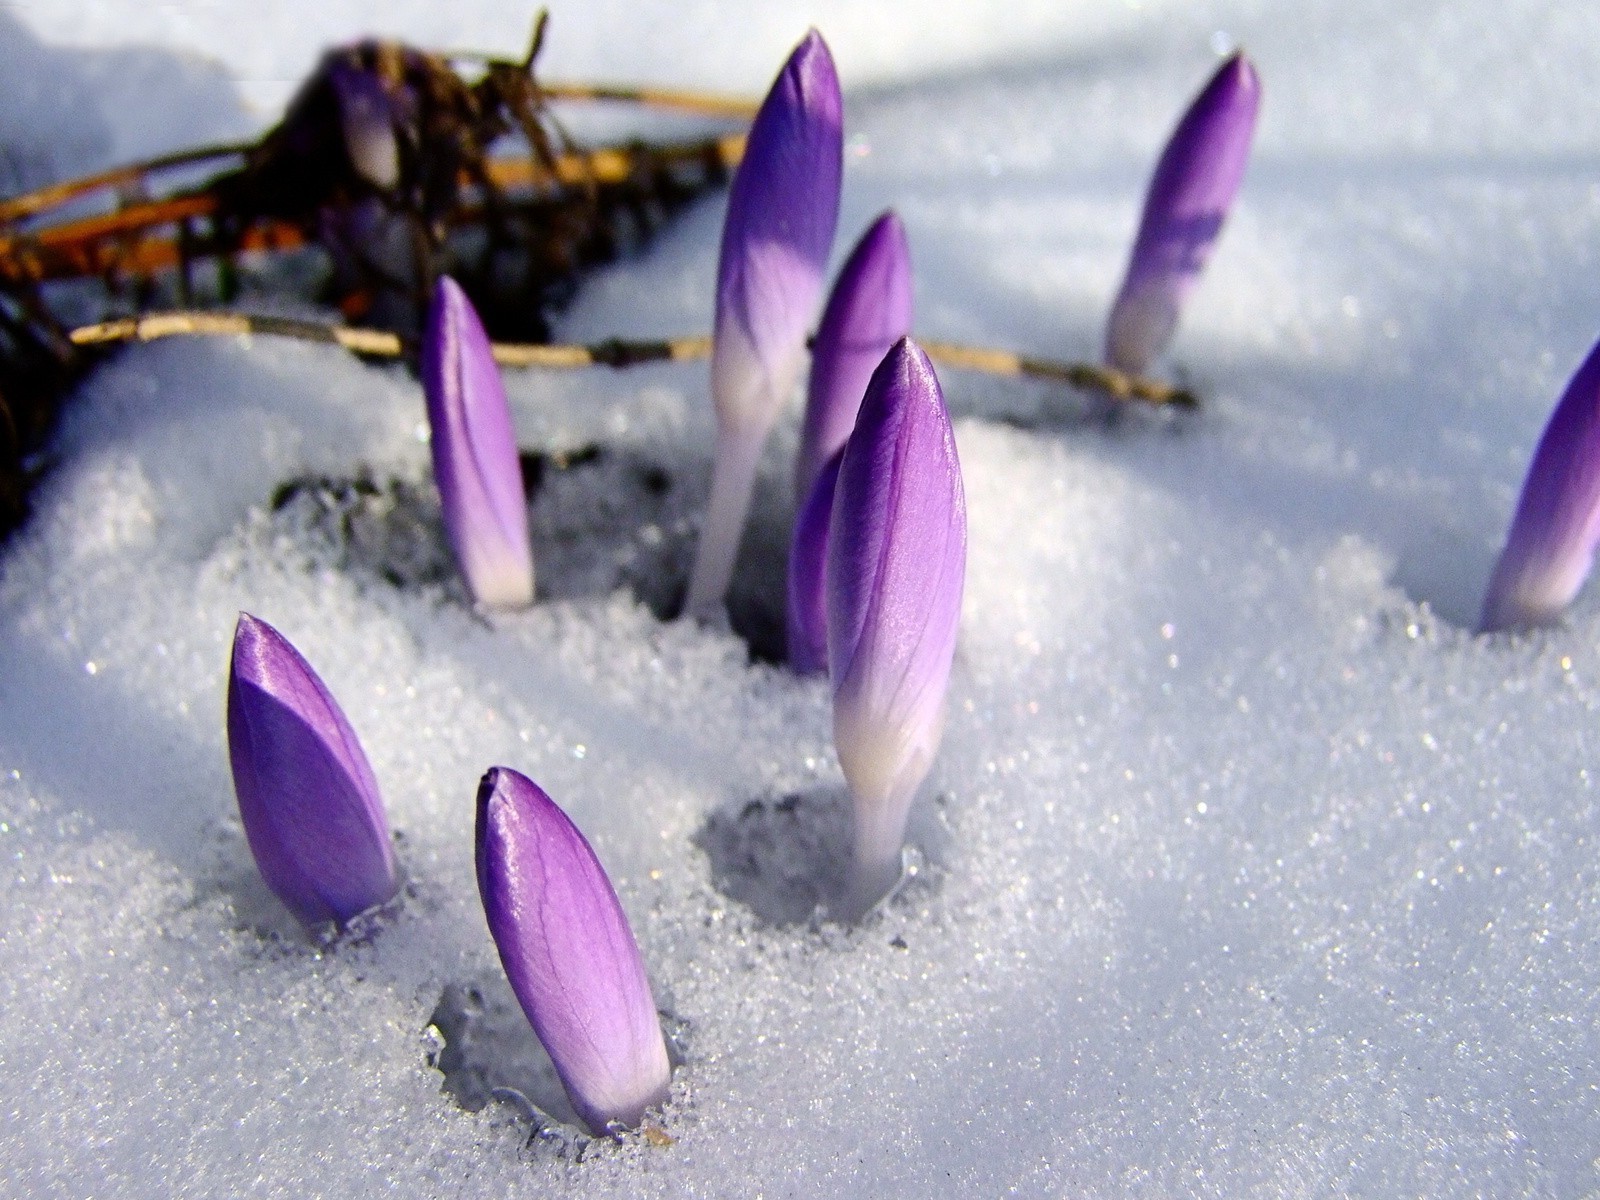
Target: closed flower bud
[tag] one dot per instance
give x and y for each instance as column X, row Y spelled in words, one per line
column 1551, row 545
column 569, row 953
column 897, row 553
column 868, row 311
column 782, row 209
column 1194, row 185
column 307, row 798
column 475, row 453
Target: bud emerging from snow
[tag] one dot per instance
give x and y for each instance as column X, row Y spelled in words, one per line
column 897, row 554
column 569, row 953
column 868, row 311
column 1551, row 545
column 808, row 560
column 782, row 209
column 475, row 453
column 1195, row 181
column 309, row 803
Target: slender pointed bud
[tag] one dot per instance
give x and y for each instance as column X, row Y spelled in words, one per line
column 309, row 803
column 808, row 560
column 367, row 116
column 475, row 453
column 868, row 311
column 897, row 555
column 1551, row 545
column 782, row 209
column 569, row 953
column 1194, row 184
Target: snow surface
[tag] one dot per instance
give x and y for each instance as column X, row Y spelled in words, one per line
column 1247, row 869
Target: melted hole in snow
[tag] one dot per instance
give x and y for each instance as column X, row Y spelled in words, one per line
column 600, row 519
column 786, row 858
column 480, row 1040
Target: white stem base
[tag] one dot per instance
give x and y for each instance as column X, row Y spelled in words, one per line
column 733, row 476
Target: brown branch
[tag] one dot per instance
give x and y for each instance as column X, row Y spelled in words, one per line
column 614, row 352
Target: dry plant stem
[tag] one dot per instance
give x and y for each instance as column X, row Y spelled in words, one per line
column 708, row 104
column 380, row 343
column 613, row 353
column 29, row 203
column 1086, row 377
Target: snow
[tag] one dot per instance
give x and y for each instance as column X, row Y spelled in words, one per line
column 1246, row 868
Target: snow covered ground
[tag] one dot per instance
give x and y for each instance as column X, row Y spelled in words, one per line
column 1249, row 870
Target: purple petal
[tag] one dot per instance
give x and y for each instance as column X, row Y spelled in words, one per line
column 569, row 953
column 367, row 116
column 782, row 209
column 808, row 557
column 1194, row 184
column 309, row 803
column 475, row 453
column 868, row 311
column 1551, row 545
column 897, row 552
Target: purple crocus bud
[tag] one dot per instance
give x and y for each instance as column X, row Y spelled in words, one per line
column 1194, row 184
column 897, row 556
column 1551, row 545
column 569, row 953
column 475, row 453
column 808, row 560
column 868, row 311
column 367, row 117
column 782, row 210
column 309, row 803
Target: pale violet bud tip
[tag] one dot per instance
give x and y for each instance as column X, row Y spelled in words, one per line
column 1551, row 545
column 782, row 209
column 808, row 557
column 307, row 797
column 475, row 453
column 569, row 953
column 868, row 311
column 897, row 552
column 1194, row 185
column 367, row 117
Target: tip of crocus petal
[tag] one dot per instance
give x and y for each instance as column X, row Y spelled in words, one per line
column 568, row 953
column 307, row 796
column 475, row 459
column 812, row 61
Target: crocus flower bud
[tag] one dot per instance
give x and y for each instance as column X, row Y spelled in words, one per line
column 897, row 555
column 309, row 803
column 1194, row 184
column 569, row 953
column 1551, row 545
column 808, row 560
column 782, row 209
column 868, row 311
column 475, row 453
column 367, row 117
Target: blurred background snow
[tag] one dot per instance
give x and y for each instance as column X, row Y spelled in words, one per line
column 1248, row 869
